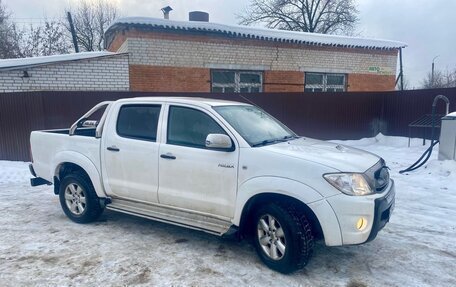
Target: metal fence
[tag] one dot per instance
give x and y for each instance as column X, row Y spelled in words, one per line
column 319, row 115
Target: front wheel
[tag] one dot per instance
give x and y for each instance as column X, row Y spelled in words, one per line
column 282, row 237
column 78, row 199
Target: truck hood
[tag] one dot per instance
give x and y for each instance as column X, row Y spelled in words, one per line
column 336, row 156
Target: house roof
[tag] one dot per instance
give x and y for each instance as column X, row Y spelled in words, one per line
column 237, row 31
column 20, row 63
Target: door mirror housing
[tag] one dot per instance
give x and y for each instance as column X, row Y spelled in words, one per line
column 219, row 141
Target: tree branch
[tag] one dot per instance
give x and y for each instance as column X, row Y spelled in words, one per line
column 324, row 16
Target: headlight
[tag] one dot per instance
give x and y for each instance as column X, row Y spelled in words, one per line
column 349, row 183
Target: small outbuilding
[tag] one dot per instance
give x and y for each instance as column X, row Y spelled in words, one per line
column 87, row 71
column 201, row 56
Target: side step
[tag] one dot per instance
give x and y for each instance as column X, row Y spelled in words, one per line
column 169, row 215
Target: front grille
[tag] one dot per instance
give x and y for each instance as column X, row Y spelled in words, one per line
column 378, row 176
column 381, row 178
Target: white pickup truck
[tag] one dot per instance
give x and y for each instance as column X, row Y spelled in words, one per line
column 222, row 167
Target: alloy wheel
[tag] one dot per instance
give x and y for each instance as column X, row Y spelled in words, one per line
column 271, row 237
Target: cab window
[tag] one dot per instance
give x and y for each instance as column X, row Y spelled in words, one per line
column 190, row 127
column 138, row 122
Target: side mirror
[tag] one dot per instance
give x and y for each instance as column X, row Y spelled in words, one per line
column 218, row 141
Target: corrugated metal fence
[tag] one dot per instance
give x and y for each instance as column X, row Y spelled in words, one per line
column 318, row 115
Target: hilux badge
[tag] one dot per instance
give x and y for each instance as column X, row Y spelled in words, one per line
column 225, row 165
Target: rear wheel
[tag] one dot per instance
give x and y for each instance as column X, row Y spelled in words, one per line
column 78, row 199
column 282, row 237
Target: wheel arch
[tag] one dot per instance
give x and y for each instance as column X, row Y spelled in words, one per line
column 67, row 162
column 270, row 197
column 260, row 189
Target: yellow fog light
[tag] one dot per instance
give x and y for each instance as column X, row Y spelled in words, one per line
column 361, row 224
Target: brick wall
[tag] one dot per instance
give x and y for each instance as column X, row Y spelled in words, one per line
column 118, row 41
column 108, row 73
column 173, row 53
column 283, row 81
column 169, row 79
column 123, row 48
column 145, row 78
column 287, row 81
column 372, row 83
column 284, row 64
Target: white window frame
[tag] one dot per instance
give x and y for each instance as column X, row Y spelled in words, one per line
column 324, row 86
column 237, row 85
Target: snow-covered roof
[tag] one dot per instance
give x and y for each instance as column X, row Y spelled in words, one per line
column 10, row 64
column 265, row 34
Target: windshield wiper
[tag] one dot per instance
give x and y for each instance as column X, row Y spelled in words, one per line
column 272, row 141
column 266, row 142
column 289, row 137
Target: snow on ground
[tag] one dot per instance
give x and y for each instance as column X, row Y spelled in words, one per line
column 40, row 246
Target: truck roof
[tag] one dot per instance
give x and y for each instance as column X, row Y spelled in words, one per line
column 184, row 100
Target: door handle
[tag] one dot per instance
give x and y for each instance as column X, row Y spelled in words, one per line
column 113, row 148
column 167, row 156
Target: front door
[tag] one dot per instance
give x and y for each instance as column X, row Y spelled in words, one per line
column 130, row 152
column 192, row 176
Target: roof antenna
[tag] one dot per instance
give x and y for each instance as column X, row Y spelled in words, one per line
column 166, row 11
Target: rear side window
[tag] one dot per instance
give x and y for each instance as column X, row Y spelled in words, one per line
column 138, row 122
column 190, row 127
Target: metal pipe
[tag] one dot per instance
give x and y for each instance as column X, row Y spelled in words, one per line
column 427, row 154
column 432, row 71
column 401, row 69
column 166, row 11
column 73, row 33
column 445, row 99
column 79, row 122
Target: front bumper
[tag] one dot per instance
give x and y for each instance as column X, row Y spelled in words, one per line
column 375, row 209
column 384, row 207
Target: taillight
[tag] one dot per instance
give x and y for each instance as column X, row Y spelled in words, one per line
column 31, row 154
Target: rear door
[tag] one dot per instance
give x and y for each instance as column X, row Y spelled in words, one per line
column 192, row 176
column 130, row 152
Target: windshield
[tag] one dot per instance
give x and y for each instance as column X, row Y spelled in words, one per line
column 255, row 125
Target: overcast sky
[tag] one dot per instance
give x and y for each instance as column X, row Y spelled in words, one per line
column 428, row 27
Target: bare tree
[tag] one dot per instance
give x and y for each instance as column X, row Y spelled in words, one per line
column 35, row 40
column 30, row 42
column 315, row 16
column 10, row 35
column 91, row 19
column 53, row 40
column 48, row 39
column 440, row 79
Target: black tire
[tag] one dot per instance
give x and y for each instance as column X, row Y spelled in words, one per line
column 297, row 235
column 91, row 208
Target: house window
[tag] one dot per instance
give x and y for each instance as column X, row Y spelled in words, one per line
column 319, row 82
column 229, row 81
